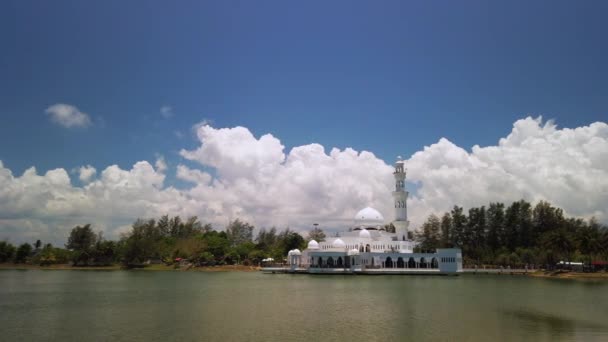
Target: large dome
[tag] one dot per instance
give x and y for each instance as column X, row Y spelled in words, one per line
column 369, row 217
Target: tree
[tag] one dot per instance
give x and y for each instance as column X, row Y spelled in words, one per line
column 477, row 230
column 239, row 232
column 390, row 228
column 495, row 223
column 589, row 239
column 7, row 251
column 266, row 240
column 47, row 256
column 459, row 222
column 217, row 244
column 23, row 252
column 429, row 236
column 81, row 241
column 446, row 231
column 558, row 243
column 288, row 240
column 316, row 234
column 142, row 243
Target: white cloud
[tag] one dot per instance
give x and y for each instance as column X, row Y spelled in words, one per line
column 257, row 180
column 86, row 173
column 193, row 176
column 166, row 112
column 568, row 167
column 68, row 116
column 161, row 164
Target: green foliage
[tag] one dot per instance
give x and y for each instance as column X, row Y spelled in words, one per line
column 288, row 240
column 516, row 235
column 7, row 251
column 316, row 234
column 23, row 253
column 81, row 241
column 429, row 238
column 239, row 232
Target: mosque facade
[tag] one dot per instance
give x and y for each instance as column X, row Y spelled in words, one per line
column 369, row 247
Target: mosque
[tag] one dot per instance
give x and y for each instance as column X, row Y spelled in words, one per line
column 369, row 248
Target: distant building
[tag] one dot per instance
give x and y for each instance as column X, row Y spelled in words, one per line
column 368, row 248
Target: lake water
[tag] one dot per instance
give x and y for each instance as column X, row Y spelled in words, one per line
column 38, row 305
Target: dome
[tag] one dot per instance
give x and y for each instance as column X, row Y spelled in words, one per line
column 290, row 253
column 369, row 217
column 338, row 243
column 296, row 252
column 364, row 233
column 312, row 244
column 353, row 252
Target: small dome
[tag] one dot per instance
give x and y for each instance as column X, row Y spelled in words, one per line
column 296, row 252
column 338, row 243
column 369, row 217
column 312, row 244
column 353, row 252
column 364, row 233
column 290, row 253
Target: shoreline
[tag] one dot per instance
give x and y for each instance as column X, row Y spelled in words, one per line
column 242, row 268
column 67, row 267
column 569, row 275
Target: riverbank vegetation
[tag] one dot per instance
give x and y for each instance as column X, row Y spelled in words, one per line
column 518, row 235
column 166, row 241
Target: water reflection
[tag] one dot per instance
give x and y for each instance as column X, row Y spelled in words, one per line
column 554, row 325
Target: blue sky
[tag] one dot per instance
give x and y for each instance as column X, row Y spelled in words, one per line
column 390, row 77
column 387, row 77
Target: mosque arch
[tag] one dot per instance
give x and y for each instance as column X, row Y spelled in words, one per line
column 434, row 263
column 423, row 263
column 388, row 263
column 339, row 262
column 320, row 262
column 330, row 262
column 367, row 248
column 411, row 263
column 361, row 249
column 400, row 263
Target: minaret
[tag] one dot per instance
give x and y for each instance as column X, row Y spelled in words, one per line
column 400, row 196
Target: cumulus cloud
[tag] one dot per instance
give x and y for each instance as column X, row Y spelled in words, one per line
column 161, row 164
column 256, row 179
column 86, row 173
column 68, row 116
column 166, row 112
column 536, row 161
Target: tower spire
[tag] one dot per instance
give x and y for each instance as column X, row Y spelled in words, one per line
column 400, row 198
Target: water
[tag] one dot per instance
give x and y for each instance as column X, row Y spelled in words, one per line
column 38, row 305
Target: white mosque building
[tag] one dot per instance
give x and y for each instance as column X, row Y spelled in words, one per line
column 368, row 248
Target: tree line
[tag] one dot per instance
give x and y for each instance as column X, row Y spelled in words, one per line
column 516, row 235
column 163, row 240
